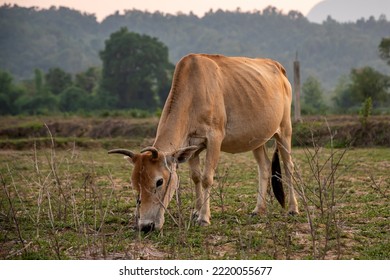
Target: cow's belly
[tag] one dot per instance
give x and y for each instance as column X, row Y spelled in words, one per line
column 252, row 119
column 243, row 136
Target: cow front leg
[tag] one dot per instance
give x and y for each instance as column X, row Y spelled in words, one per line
column 196, row 177
column 212, row 158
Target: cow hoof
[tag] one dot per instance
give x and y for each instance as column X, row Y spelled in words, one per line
column 203, row 223
column 195, row 215
column 258, row 212
column 293, row 213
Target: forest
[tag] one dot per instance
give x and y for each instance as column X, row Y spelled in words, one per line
column 36, row 44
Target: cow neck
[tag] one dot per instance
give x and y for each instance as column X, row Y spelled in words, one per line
column 172, row 132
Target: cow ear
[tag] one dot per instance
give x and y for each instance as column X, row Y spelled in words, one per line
column 184, row 154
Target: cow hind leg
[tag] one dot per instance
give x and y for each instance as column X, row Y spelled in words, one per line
column 264, row 169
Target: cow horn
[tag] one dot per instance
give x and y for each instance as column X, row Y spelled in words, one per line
column 153, row 150
column 122, row 151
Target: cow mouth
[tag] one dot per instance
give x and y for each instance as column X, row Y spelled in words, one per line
column 146, row 228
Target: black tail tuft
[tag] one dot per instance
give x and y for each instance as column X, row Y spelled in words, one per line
column 276, row 179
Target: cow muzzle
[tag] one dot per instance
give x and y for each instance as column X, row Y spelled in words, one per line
column 146, row 227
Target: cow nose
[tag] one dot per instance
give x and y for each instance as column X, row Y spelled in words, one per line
column 147, row 227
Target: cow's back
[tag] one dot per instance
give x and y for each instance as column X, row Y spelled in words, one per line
column 257, row 98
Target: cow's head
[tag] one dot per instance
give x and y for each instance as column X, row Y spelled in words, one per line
column 155, row 179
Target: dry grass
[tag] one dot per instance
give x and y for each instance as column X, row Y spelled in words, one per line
column 78, row 204
column 68, row 205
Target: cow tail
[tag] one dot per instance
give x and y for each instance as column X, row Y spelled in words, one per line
column 276, row 179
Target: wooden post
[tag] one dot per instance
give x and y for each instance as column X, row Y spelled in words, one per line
column 297, row 90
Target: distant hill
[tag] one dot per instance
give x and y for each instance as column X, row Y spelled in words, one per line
column 349, row 10
column 65, row 38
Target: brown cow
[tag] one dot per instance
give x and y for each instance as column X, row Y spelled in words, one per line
column 216, row 103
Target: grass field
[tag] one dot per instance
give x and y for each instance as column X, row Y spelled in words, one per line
column 77, row 203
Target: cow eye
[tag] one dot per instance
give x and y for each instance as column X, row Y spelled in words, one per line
column 159, row 183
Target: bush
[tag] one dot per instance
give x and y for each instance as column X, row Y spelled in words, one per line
column 365, row 111
column 73, row 99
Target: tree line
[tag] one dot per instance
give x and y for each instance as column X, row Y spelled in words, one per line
column 136, row 73
column 134, row 70
column 60, row 37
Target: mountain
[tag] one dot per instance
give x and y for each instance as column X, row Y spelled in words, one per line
column 349, row 10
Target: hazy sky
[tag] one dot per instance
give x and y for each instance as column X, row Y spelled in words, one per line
column 102, row 8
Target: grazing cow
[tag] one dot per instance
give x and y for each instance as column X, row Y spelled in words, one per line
column 216, row 103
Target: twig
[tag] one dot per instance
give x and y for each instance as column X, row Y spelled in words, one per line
column 376, row 187
column 4, row 184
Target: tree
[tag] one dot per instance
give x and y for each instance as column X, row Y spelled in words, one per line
column 5, row 89
column 57, row 80
column 88, row 80
column 38, row 82
column 312, row 92
column 135, row 68
column 9, row 93
column 40, row 100
column 363, row 83
column 41, row 104
column 74, row 99
column 367, row 82
column 342, row 98
column 384, row 50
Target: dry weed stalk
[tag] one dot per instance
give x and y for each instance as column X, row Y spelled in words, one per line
column 318, row 192
column 12, row 209
column 64, row 201
column 377, row 187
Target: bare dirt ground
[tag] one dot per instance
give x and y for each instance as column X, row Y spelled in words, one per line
column 22, row 132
